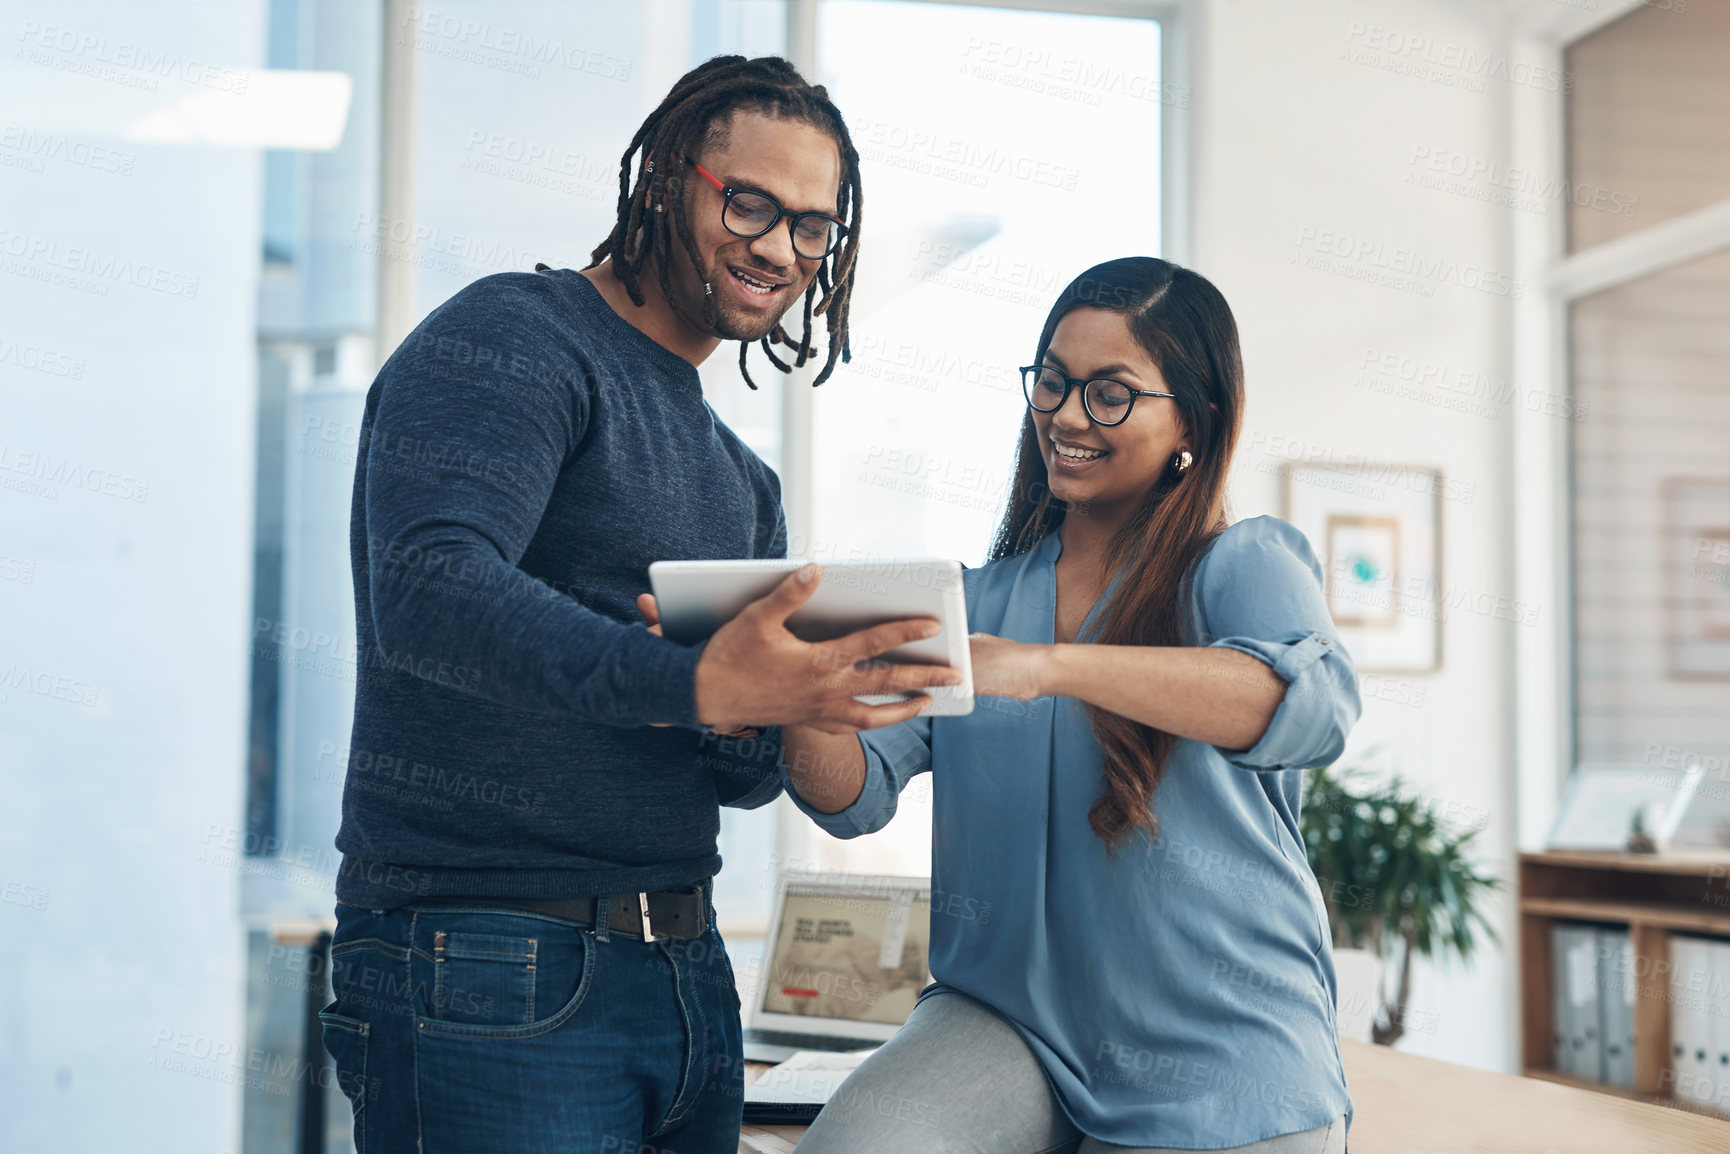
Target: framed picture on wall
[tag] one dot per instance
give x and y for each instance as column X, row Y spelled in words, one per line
column 1696, row 559
column 1377, row 531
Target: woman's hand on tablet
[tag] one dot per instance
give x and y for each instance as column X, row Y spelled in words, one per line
column 754, row 671
column 1004, row 668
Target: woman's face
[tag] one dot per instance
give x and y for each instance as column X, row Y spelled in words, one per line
column 1106, row 465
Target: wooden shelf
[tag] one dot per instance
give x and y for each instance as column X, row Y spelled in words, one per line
column 1655, row 896
column 1677, row 861
column 1630, row 913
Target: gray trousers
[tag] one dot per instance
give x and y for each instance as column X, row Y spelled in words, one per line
column 957, row 1078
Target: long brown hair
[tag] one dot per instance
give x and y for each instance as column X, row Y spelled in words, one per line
column 692, row 115
column 1183, row 322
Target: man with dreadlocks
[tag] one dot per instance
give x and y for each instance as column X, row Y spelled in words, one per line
column 525, row 956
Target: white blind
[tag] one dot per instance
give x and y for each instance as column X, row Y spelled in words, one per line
column 1651, row 464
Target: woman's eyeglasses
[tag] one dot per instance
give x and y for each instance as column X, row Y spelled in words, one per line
column 1107, row 402
column 751, row 214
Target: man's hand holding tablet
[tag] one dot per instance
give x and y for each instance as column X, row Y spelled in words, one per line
column 755, row 672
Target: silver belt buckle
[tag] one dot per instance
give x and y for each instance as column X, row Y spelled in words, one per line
column 643, row 906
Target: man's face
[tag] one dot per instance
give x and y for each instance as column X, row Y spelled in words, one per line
column 795, row 164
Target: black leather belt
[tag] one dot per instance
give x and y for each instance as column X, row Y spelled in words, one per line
column 651, row 917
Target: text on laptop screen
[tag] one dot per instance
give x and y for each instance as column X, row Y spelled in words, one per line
column 854, row 957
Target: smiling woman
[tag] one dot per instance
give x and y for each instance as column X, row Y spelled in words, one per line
column 1186, row 671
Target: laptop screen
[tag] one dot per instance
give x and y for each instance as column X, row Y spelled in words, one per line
column 849, row 955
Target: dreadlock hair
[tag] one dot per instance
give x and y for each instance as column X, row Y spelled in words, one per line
column 689, row 118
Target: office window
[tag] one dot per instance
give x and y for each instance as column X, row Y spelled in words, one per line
column 1029, row 151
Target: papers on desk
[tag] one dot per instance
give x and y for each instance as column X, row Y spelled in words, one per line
column 808, row 1077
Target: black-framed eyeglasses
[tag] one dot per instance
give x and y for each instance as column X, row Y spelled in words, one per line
column 1107, row 402
column 750, row 214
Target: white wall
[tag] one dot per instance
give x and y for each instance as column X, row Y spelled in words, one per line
column 127, row 499
column 1300, row 138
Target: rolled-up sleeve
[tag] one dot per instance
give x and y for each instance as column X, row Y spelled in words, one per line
column 1259, row 591
column 894, row 756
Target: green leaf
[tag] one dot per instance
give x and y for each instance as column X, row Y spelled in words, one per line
column 1414, row 873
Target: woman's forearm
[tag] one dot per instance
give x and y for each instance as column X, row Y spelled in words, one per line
column 1209, row 694
column 826, row 769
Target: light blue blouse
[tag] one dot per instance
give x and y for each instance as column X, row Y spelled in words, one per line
column 1179, row 992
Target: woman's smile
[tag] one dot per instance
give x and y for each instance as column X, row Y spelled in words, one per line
column 1072, row 457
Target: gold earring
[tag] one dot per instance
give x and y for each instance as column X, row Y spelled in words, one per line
column 1182, row 461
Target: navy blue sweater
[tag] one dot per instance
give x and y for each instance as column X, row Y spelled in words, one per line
column 524, row 455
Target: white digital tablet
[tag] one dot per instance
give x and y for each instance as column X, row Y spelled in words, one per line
column 698, row 597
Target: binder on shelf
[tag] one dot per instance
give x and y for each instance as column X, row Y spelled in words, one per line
column 1561, row 1059
column 1691, row 1019
column 1575, row 952
column 1583, row 977
column 1719, row 1055
column 1616, row 988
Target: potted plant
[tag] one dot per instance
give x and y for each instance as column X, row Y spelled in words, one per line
column 1397, row 879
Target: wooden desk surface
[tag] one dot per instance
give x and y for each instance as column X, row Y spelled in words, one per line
column 1405, row 1104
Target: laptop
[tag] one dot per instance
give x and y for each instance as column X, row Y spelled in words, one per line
column 845, row 960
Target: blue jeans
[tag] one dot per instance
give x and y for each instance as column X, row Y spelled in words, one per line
column 468, row 1029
